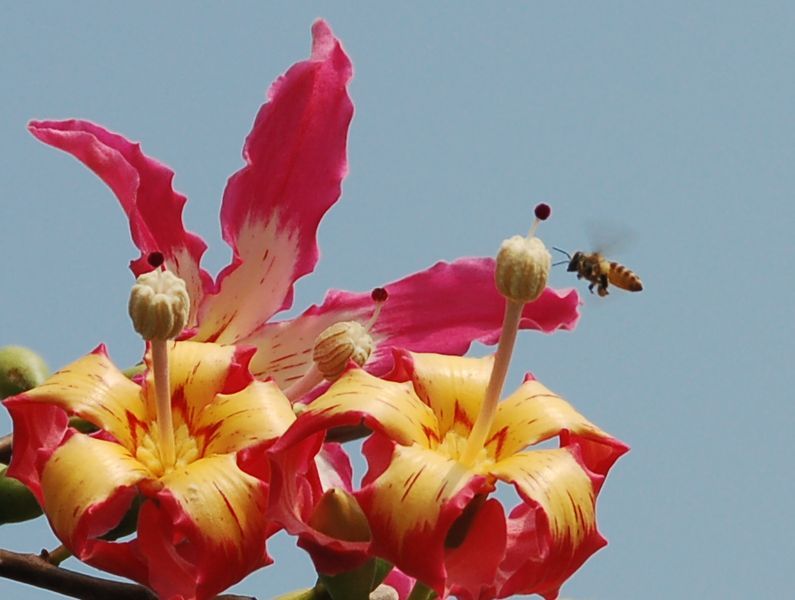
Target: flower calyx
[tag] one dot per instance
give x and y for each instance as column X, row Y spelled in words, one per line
column 159, row 305
column 523, row 264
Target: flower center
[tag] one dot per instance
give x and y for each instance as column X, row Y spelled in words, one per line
column 150, row 452
column 454, row 445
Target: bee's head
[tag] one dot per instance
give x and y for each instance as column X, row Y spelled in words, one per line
column 574, row 263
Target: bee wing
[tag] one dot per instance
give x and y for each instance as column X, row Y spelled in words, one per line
column 609, row 238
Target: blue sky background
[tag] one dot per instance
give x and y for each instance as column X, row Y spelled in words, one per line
column 673, row 121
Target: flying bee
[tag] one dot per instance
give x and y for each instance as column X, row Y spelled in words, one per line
column 600, row 272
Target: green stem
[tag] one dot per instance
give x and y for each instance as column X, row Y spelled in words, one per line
column 57, row 556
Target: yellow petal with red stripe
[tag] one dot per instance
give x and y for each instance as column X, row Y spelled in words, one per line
column 556, row 481
column 198, row 371
column 226, row 506
column 235, row 421
column 410, row 493
column 394, row 407
column 452, row 386
column 95, row 390
column 82, row 473
column 412, row 505
column 532, row 414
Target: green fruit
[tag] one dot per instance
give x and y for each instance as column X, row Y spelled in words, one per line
column 17, row 503
column 20, row 370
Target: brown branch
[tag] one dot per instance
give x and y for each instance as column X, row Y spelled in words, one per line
column 36, row 571
column 5, row 448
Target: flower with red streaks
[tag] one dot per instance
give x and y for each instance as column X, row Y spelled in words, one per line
column 295, row 161
column 203, row 520
column 431, row 511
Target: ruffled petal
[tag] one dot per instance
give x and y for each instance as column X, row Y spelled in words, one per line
column 442, row 309
column 87, row 485
column 295, row 162
column 298, row 488
column 197, row 372
column 533, row 414
column 554, row 531
column 453, row 386
column 205, row 530
column 472, row 565
column 358, row 397
column 232, row 422
column 93, row 389
column 144, row 189
column 412, row 505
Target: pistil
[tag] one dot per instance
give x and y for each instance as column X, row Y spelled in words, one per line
column 165, row 421
column 521, row 275
column 159, row 307
column 335, row 347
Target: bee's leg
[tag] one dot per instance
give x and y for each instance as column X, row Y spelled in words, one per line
column 602, row 291
column 590, row 287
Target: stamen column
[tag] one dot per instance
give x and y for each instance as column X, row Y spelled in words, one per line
column 159, row 307
column 523, row 265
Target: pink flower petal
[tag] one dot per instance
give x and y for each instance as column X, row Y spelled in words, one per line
column 472, row 566
column 144, row 189
column 554, row 531
column 295, row 163
column 296, row 490
column 400, row 582
column 205, row 530
column 442, row 309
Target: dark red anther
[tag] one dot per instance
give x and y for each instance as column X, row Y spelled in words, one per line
column 155, row 259
column 543, row 211
column 379, row 295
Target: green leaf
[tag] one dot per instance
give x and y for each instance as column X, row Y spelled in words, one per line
column 421, row 592
column 351, row 585
column 382, row 569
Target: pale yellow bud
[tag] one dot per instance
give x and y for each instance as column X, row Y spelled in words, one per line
column 159, row 305
column 522, row 268
column 338, row 515
column 340, row 343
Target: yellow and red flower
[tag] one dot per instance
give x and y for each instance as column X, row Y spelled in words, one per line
column 203, row 521
column 431, row 512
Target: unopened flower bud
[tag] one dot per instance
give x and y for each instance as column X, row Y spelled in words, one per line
column 159, row 305
column 340, row 343
column 522, row 268
column 339, row 515
column 20, row 370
